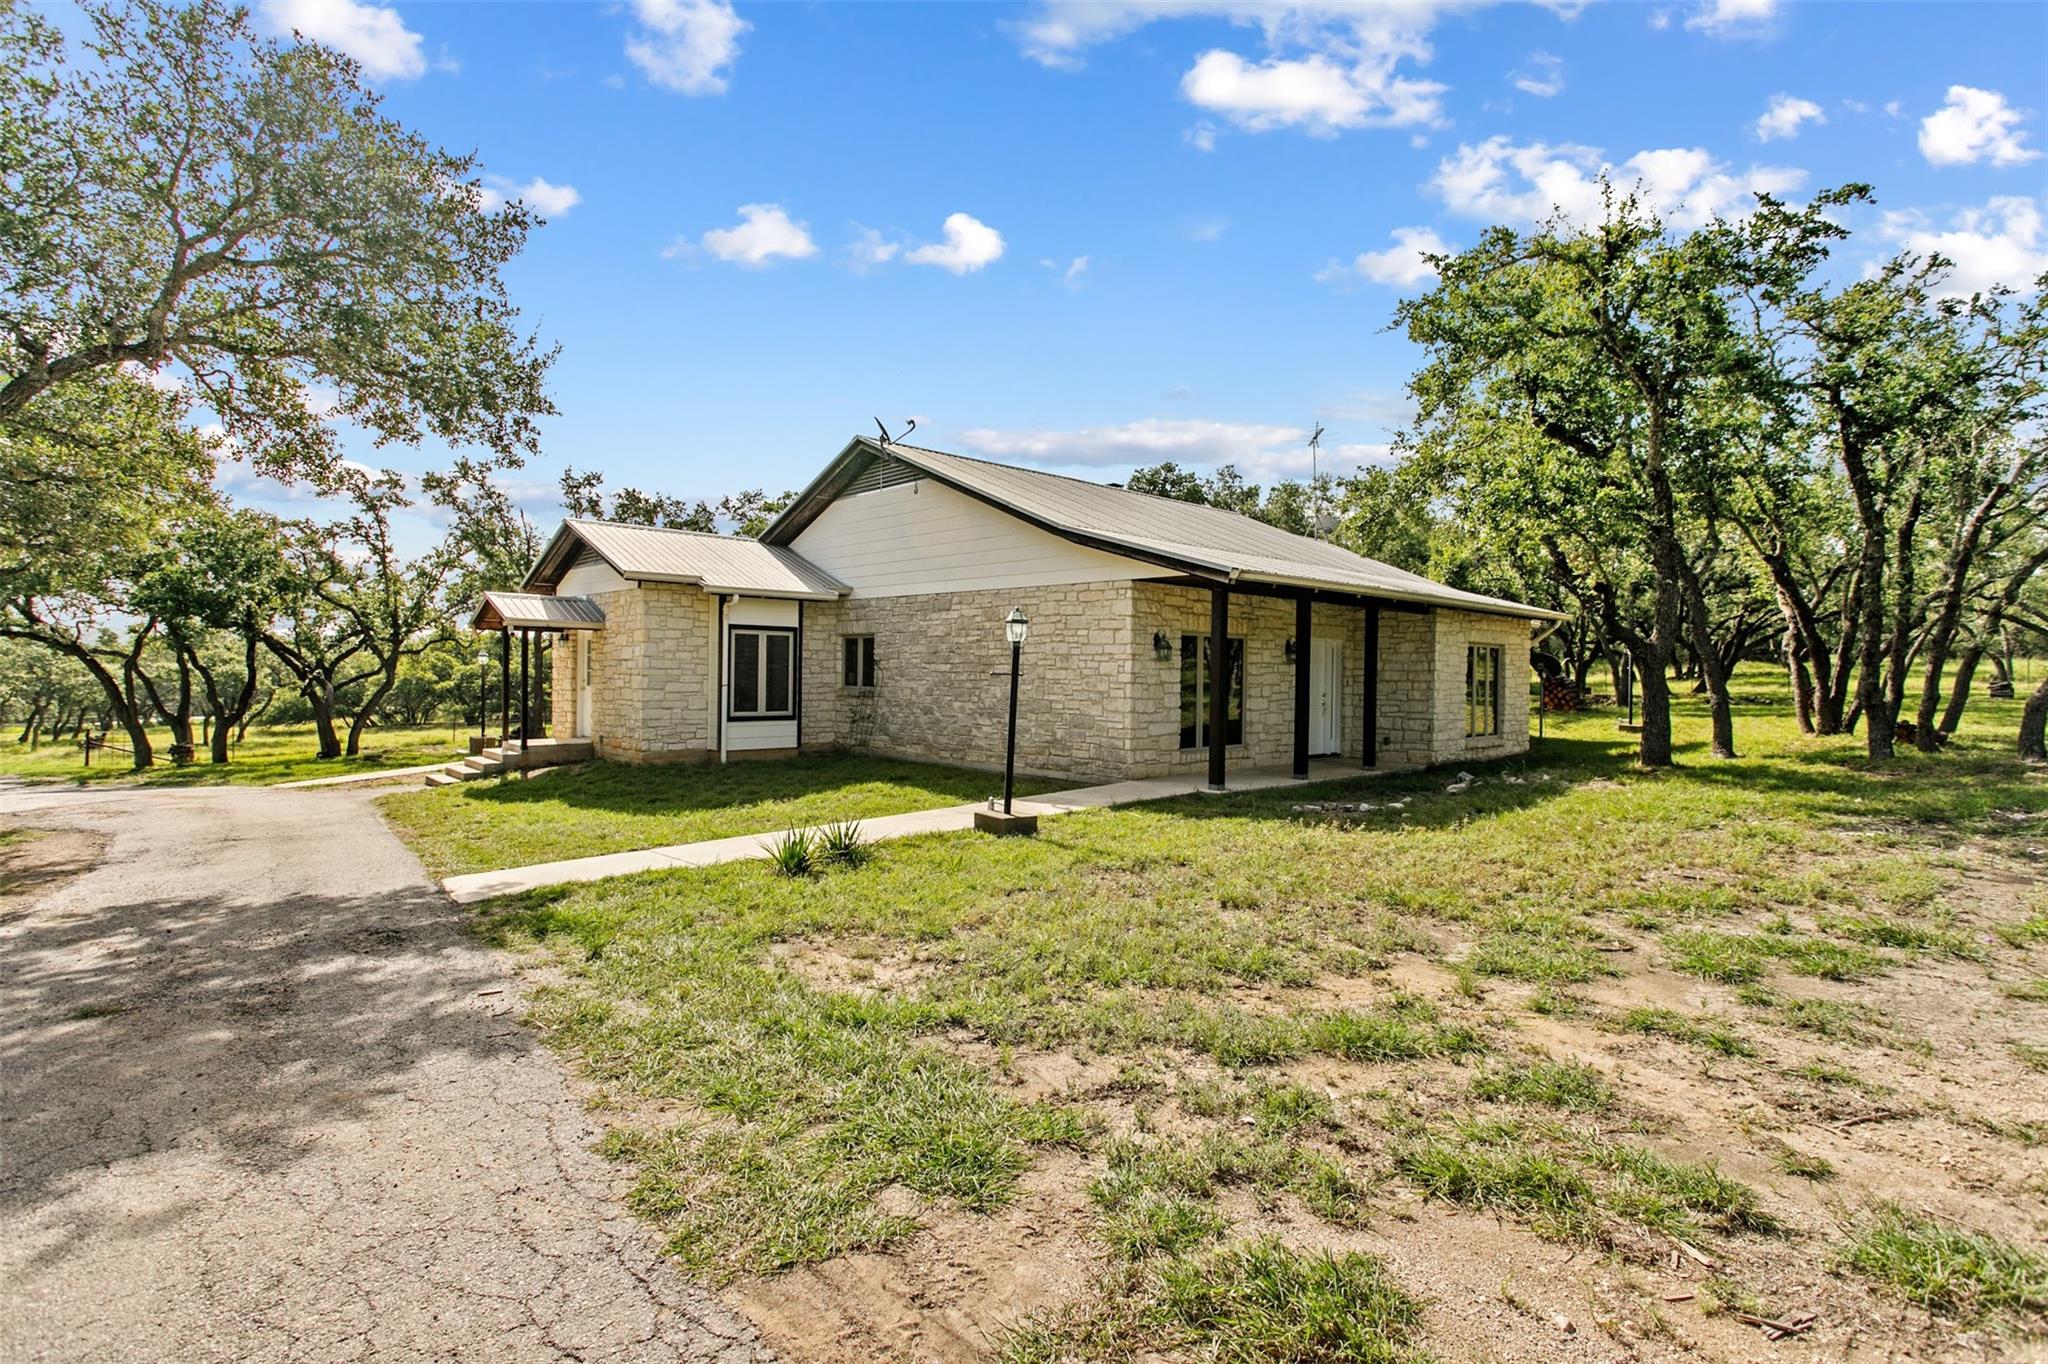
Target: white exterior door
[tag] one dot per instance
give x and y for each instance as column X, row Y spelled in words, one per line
column 586, row 645
column 1326, row 696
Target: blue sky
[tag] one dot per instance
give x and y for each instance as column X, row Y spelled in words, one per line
column 1099, row 235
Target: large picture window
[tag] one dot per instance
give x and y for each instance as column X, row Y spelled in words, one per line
column 1196, row 677
column 761, row 674
column 1482, row 691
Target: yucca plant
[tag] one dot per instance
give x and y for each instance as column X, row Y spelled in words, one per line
column 845, row 844
column 794, row 854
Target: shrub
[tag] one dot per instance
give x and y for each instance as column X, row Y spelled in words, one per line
column 845, row 844
column 794, row 854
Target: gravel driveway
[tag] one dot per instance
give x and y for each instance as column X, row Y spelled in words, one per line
column 260, row 1099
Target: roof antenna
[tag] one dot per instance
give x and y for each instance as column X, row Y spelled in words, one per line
column 907, row 430
column 1323, row 521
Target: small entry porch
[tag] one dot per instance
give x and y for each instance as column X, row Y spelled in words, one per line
column 538, row 620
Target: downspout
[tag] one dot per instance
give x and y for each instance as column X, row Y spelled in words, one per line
column 718, row 659
column 796, row 666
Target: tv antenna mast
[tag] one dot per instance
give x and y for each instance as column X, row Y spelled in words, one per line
column 1320, row 516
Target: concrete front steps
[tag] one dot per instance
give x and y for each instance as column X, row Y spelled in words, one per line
column 514, row 757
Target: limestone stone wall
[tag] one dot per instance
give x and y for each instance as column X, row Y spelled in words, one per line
column 1456, row 631
column 942, row 678
column 650, row 676
column 1408, row 681
column 1406, row 671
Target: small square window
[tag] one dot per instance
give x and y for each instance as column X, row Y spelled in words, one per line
column 857, row 666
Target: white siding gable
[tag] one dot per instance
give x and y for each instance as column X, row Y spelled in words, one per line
column 923, row 537
column 590, row 577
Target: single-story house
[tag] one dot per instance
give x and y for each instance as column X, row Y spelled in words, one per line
column 869, row 616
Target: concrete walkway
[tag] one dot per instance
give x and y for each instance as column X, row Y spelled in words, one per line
column 947, row 819
column 261, row 1099
column 361, row 778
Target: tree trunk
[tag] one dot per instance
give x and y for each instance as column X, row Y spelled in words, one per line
column 35, row 721
column 1795, row 666
column 1870, row 577
column 2034, row 725
column 387, row 680
column 119, row 702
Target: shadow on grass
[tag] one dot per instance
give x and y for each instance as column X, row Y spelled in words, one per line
column 686, row 788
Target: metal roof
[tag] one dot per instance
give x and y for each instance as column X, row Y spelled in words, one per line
column 531, row 611
column 717, row 563
column 1190, row 536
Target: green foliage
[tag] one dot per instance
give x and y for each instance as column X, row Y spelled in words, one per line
column 1264, row 1303
column 187, row 192
column 795, row 853
column 842, row 843
column 1948, row 1269
column 1556, row 1084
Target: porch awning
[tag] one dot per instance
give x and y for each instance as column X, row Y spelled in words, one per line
column 534, row 611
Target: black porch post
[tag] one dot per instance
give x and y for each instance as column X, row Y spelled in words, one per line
column 1304, row 611
column 1371, row 746
column 525, row 688
column 1219, row 684
column 504, row 687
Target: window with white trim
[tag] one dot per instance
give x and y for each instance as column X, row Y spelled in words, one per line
column 761, row 673
column 1482, row 691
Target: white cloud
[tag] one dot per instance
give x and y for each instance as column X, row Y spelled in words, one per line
column 1207, row 229
column 1261, row 452
column 1542, row 75
column 1202, row 137
column 868, row 249
column 1070, row 273
column 687, row 46
column 548, row 200
column 2000, row 243
column 1734, row 18
column 1502, row 181
column 763, row 234
column 1183, row 440
column 373, row 34
column 1329, row 64
column 1401, row 266
column 1316, row 94
column 969, row 245
column 1975, row 125
column 1782, row 117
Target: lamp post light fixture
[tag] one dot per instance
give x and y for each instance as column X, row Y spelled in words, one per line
column 1016, row 627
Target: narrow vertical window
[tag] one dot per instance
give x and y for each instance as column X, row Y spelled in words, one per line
column 857, row 661
column 1482, row 691
column 1197, row 676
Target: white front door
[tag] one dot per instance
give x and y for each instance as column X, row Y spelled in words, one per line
column 586, row 645
column 1326, row 696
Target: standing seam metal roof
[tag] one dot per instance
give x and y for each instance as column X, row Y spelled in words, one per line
column 718, row 563
column 1202, row 537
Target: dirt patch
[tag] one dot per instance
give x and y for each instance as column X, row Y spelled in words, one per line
column 948, row 1292
column 34, row 862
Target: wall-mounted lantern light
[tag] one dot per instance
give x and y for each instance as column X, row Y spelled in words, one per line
column 1290, row 651
column 1161, row 645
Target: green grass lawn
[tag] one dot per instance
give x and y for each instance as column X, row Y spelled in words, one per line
column 1271, row 1022
column 269, row 755
column 616, row 807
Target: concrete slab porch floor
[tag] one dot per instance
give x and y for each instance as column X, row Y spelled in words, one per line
column 747, row 847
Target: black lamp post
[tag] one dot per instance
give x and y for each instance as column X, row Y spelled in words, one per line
column 483, row 692
column 1016, row 625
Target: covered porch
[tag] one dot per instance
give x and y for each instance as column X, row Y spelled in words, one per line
column 538, row 621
